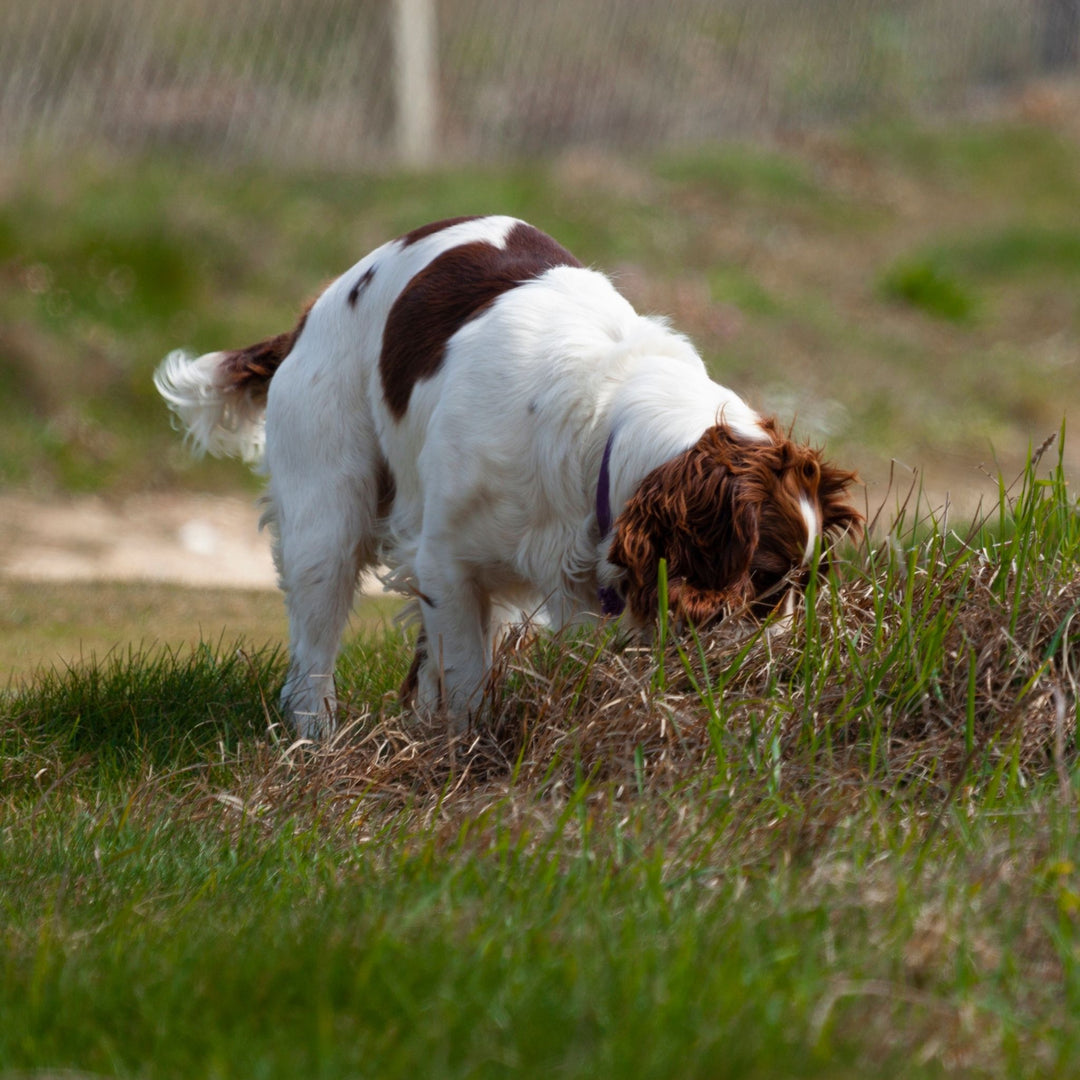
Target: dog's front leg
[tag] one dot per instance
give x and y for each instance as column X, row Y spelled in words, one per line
column 309, row 701
column 455, row 652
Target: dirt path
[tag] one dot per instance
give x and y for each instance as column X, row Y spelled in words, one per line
column 80, row 577
column 183, row 539
column 194, row 540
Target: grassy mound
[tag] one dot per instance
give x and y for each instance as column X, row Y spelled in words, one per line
column 843, row 846
column 924, row 655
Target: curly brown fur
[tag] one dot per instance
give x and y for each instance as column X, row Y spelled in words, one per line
column 726, row 517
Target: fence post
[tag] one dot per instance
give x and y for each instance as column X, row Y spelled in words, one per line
column 1060, row 38
column 415, row 78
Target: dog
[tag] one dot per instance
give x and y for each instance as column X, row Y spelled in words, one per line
column 472, row 407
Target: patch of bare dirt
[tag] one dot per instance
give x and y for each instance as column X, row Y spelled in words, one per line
column 181, row 539
column 195, row 540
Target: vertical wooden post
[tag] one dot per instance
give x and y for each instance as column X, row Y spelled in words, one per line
column 1060, row 44
column 415, row 73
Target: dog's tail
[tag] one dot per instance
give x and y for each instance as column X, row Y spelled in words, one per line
column 220, row 398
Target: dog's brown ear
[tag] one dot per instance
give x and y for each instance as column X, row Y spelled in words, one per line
column 692, row 511
column 638, row 547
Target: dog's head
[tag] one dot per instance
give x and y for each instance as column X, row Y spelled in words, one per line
column 736, row 519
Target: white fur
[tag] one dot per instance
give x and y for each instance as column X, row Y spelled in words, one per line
column 496, row 460
column 813, row 527
column 215, row 423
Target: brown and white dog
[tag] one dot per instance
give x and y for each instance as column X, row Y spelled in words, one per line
column 472, row 407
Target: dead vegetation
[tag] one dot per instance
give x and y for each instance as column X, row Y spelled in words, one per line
column 928, row 660
column 930, row 663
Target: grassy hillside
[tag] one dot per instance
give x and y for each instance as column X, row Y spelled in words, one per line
column 846, row 847
column 902, row 293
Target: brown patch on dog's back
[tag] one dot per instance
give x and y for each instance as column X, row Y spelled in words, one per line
column 450, row 291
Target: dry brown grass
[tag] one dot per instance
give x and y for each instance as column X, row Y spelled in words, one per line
column 848, row 696
column 929, row 666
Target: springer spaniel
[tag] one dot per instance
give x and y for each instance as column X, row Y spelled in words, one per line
column 496, row 423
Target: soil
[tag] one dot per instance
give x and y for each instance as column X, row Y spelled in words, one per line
column 194, row 540
column 180, row 539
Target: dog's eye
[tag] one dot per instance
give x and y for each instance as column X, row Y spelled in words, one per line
column 810, row 471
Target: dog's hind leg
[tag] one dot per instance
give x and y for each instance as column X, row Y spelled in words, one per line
column 327, row 496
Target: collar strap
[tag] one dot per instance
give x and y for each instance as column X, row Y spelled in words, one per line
column 611, row 602
column 603, row 490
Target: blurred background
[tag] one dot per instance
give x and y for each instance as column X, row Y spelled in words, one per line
column 332, row 82
column 866, row 213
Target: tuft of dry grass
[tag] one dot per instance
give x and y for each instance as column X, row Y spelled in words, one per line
column 927, row 662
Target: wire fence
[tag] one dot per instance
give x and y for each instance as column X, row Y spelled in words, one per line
column 318, row 80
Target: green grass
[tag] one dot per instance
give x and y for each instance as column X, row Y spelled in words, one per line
column 940, row 281
column 305, row 952
column 849, row 848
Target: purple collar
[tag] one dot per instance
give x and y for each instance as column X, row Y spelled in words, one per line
column 611, row 602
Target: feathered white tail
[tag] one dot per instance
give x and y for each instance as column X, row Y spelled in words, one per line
column 217, row 416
